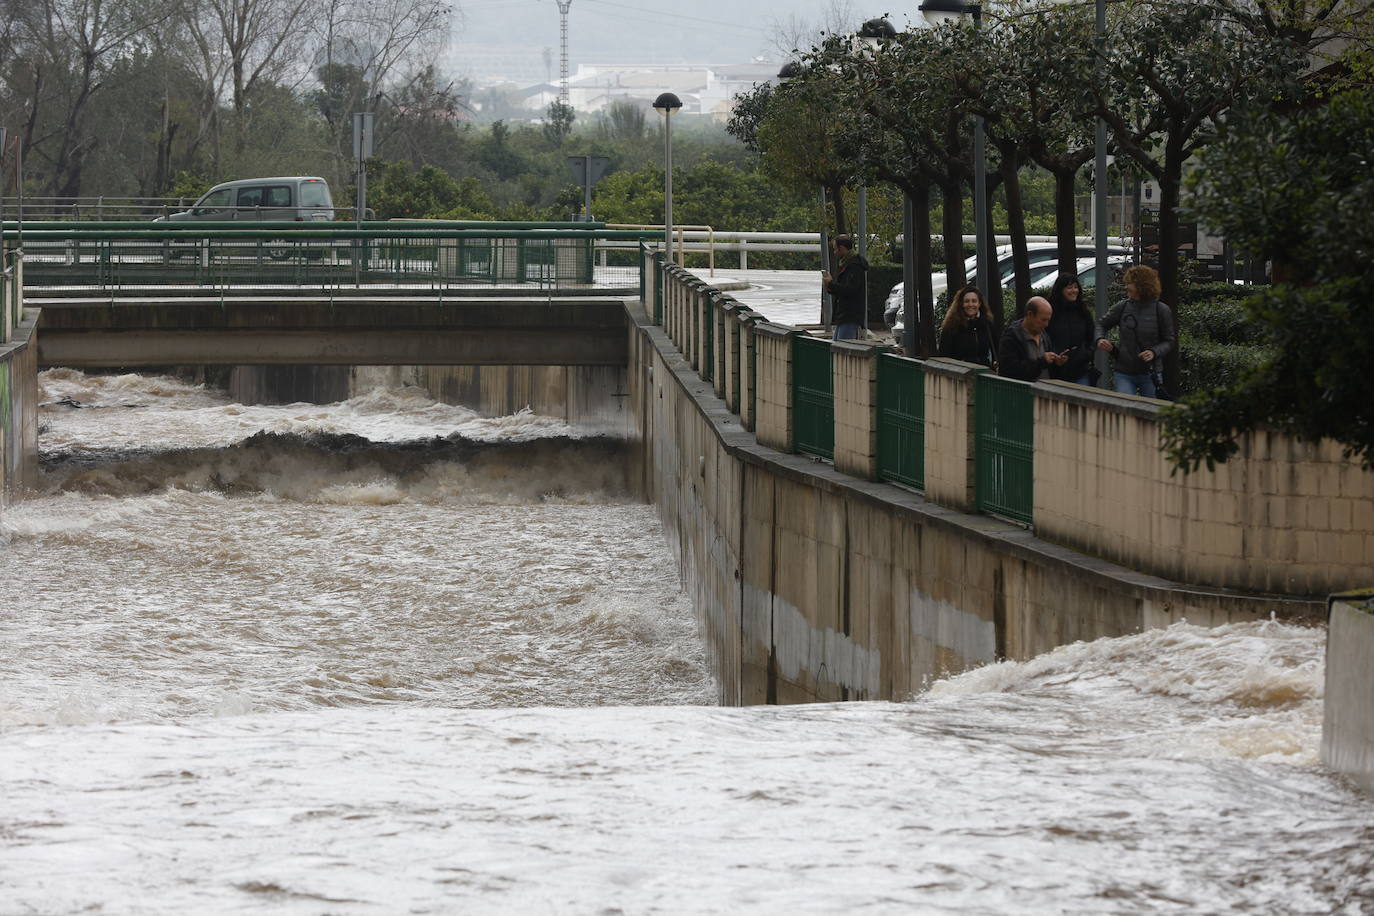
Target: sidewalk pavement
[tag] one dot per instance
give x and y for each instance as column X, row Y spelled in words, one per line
column 791, row 297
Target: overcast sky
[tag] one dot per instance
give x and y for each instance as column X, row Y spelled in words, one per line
column 639, row 31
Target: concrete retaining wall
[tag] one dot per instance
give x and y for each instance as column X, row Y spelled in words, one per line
column 1348, row 710
column 1281, row 516
column 816, row 585
column 589, row 397
column 19, row 409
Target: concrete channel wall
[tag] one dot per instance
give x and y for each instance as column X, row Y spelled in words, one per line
column 817, row 582
column 589, row 397
column 19, row 408
column 1348, row 708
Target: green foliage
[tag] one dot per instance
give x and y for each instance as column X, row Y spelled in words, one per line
column 1295, row 188
column 1208, row 363
column 395, row 192
column 188, row 184
column 558, row 122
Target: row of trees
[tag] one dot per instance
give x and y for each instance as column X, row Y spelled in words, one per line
column 120, row 95
column 901, row 110
column 1263, row 105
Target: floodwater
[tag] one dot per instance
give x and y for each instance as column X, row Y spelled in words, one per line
column 387, row 656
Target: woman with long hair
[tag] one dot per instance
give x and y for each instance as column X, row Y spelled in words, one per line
column 1071, row 329
column 1148, row 332
column 966, row 332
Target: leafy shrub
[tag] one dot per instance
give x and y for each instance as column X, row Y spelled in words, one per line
column 1223, row 321
column 1206, row 363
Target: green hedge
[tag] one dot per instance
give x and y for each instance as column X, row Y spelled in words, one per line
column 1206, row 363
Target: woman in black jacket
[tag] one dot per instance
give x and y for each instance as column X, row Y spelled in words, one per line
column 1071, row 329
column 966, row 332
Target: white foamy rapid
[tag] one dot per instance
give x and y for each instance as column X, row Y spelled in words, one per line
column 387, row 656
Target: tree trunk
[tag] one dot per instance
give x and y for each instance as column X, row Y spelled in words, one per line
column 1169, row 186
column 1066, row 218
column 953, row 229
column 1016, row 228
column 836, row 192
column 920, row 202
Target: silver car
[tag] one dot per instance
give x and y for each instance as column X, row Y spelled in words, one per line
column 290, row 198
column 294, row 198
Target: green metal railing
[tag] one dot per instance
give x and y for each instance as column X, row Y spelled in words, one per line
column 901, row 421
column 322, row 255
column 813, row 397
column 1005, row 445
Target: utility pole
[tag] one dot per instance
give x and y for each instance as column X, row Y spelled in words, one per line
column 563, row 6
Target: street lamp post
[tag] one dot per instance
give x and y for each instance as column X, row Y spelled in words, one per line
column 935, row 12
column 790, row 70
column 1100, row 198
column 871, row 33
column 666, row 104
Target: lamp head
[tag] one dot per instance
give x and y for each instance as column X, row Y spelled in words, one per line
column 938, row 11
column 877, row 29
column 667, row 103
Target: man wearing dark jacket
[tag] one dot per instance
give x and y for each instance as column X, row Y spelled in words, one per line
column 849, row 287
column 1027, row 351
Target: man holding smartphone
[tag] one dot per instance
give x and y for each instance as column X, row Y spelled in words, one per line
column 1027, row 353
column 849, row 289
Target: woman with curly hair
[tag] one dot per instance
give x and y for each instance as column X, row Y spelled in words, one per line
column 966, row 332
column 1148, row 332
column 1071, row 327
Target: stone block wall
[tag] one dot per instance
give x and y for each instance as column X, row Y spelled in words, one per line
column 855, row 371
column 1281, row 516
column 773, row 350
column 949, row 431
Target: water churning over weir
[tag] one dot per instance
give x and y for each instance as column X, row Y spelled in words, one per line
column 388, row 654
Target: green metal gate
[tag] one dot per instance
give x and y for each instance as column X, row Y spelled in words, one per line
column 1005, row 431
column 813, row 396
column 901, row 421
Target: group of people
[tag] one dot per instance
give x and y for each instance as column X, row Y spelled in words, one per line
column 1057, row 336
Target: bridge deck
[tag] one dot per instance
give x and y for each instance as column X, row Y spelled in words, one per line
column 262, row 327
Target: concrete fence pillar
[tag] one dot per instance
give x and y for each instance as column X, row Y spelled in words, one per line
column 855, row 372
column 748, row 367
column 773, row 376
column 951, row 469
column 693, row 317
column 728, row 382
column 718, row 333
column 675, row 300
column 1348, row 709
column 651, row 300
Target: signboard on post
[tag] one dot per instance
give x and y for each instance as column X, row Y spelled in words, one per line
column 587, row 171
column 362, row 151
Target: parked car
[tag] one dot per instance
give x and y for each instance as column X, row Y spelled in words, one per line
column 1044, row 262
column 292, row 198
column 1086, row 269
